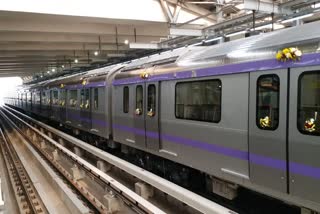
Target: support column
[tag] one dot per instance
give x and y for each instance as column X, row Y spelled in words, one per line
column 50, row 135
column 111, row 202
column 78, row 151
column 43, row 144
column 103, row 166
column 143, row 189
column 55, row 155
column 62, row 142
column 77, row 173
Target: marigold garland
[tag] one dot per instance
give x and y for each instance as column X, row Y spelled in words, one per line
column 288, row 54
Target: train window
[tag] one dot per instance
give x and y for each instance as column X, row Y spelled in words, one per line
column 151, row 105
column 33, row 98
column 30, row 97
column 85, row 98
column 126, row 99
column 198, row 100
column 55, row 98
column 139, row 100
column 37, row 100
column 49, row 97
column 309, row 103
column 44, row 98
column 73, row 98
column 267, row 117
column 62, row 98
column 96, row 98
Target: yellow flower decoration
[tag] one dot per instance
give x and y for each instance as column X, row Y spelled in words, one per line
column 265, row 122
column 288, row 54
column 144, row 75
column 151, row 113
column 309, row 125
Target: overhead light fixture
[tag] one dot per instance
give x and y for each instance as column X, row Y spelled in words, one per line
column 202, row 2
column 41, row 76
column 212, row 40
column 126, row 41
column 268, row 19
column 48, row 72
column 96, row 53
column 196, row 44
column 269, row 26
column 236, row 33
column 53, row 70
column 297, row 18
column 76, row 60
column 62, row 66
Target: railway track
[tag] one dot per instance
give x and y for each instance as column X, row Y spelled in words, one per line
column 180, row 198
column 73, row 169
column 27, row 197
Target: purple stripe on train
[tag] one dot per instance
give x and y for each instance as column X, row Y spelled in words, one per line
column 268, row 64
column 295, row 168
column 305, row 170
column 88, row 120
column 89, row 85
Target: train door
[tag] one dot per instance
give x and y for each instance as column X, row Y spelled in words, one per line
column 50, row 106
column 304, row 133
column 152, row 116
column 62, row 104
column 98, row 102
column 268, row 128
column 139, row 115
column 85, row 108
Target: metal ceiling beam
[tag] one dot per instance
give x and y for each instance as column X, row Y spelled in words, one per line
column 59, row 54
column 193, row 9
column 166, row 11
column 59, row 46
column 292, row 3
column 185, row 32
column 261, row 6
column 195, row 19
column 71, row 38
column 155, row 29
column 144, row 46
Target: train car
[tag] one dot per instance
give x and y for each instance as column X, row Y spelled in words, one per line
column 234, row 112
column 245, row 112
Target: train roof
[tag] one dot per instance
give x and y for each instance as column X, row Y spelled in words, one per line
column 259, row 47
column 264, row 46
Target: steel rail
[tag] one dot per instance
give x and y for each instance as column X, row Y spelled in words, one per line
column 133, row 200
column 189, row 198
column 26, row 194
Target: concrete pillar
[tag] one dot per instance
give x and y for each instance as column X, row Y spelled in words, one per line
column 34, row 137
column 111, row 202
column 76, row 131
column 143, row 189
column 77, row 173
column 103, row 166
column 28, row 132
column 50, row 135
column 61, row 142
column 124, row 149
column 55, row 155
column 43, row 144
column 78, row 151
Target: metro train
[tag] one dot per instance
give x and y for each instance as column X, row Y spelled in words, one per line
column 232, row 111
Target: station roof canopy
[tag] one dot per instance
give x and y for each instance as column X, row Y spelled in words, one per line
column 39, row 38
